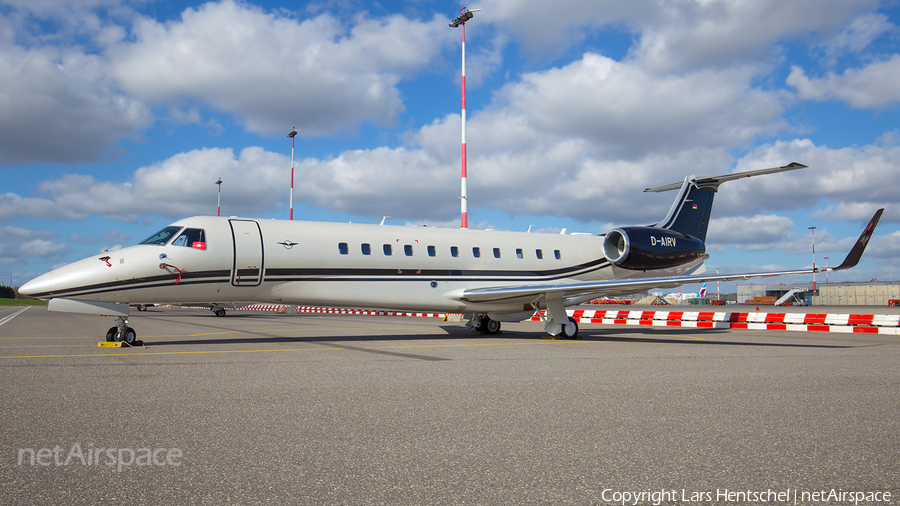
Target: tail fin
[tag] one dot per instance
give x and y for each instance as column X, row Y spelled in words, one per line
column 691, row 210
column 703, row 291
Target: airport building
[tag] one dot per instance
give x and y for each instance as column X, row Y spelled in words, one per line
column 872, row 293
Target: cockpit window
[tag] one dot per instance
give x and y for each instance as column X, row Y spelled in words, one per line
column 161, row 237
column 191, row 238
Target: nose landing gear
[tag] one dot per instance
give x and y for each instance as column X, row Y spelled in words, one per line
column 122, row 333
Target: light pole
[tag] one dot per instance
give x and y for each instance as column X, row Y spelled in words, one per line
column 813, row 228
column 718, row 295
column 219, row 198
column 826, row 269
column 464, row 211
column 292, row 135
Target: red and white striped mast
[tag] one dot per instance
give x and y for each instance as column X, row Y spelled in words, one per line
column 461, row 21
column 292, row 135
column 813, row 228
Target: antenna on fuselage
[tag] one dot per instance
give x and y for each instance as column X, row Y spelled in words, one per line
column 383, row 218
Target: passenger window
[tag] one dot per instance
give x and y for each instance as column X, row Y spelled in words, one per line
column 476, row 252
column 408, row 249
column 366, row 249
column 343, row 248
column 496, row 252
column 454, row 251
column 432, row 251
column 191, row 238
column 557, row 254
column 519, row 253
column 539, row 254
column 388, row 250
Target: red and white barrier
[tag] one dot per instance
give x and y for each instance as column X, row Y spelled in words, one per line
column 804, row 322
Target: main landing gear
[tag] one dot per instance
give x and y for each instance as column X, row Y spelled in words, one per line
column 556, row 321
column 122, row 332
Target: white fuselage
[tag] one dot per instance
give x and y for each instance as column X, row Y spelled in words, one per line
column 333, row 264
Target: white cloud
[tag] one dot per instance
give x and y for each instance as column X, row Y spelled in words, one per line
column 754, row 233
column 681, row 35
column 57, row 105
column 68, row 96
column 13, row 206
column 180, row 186
column 686, row 35
column 18, row 246
column 835, row 177
column 626, row 112
column 869, row 87
column 271, row 70
column 858, row 35
column 886, row 248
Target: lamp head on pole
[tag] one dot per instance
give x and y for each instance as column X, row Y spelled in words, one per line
column 462, row 18
column 219, row 182
column 292, row 134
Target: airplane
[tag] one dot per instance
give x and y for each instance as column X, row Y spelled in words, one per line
column 488, row 276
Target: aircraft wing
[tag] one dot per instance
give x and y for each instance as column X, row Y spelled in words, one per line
column 538, row 293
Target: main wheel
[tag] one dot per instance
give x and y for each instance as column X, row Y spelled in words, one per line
column 220, row 312
column 570, row 331
column 111, row 334
column 490, row 326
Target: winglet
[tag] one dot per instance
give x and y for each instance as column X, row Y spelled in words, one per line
column 861, row 243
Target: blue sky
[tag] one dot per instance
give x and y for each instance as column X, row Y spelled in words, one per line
column 117, row 118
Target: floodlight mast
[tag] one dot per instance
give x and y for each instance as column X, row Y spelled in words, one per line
column 464, row 210
column 292, row 135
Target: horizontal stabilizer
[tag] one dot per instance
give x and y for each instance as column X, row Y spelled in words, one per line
column 717, row 180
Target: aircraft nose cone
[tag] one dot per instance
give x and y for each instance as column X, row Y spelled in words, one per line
column 42, row 284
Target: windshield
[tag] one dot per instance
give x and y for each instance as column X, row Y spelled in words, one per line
column 161, row 237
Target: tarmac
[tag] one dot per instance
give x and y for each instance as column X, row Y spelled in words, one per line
column 260, row 408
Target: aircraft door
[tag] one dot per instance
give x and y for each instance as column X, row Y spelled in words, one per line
column 248, row 253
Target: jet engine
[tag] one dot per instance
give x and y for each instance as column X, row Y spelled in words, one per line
column 643, row 248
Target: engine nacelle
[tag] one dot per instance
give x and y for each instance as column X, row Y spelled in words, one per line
column 642, row 248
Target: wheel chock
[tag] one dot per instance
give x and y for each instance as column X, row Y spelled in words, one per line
column 119, row 344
